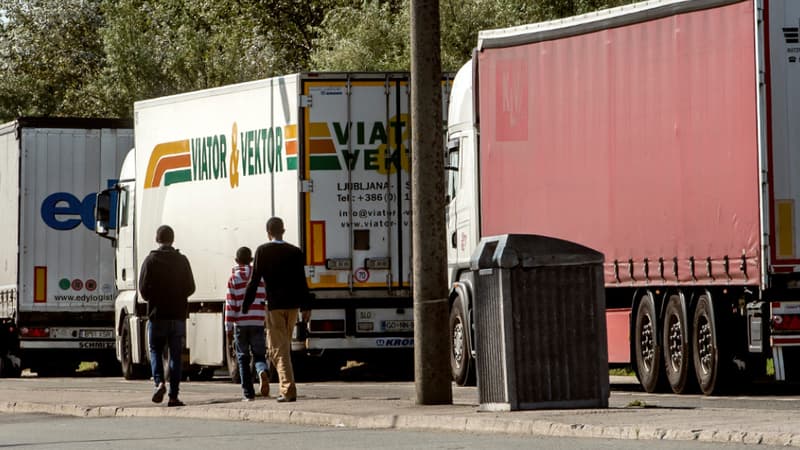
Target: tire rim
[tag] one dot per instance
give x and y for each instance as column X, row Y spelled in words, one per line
column 705, row 349
column 647, row 346
column 675, row 342
column 458, row 342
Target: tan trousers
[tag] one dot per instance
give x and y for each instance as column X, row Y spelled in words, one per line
column 280, row 323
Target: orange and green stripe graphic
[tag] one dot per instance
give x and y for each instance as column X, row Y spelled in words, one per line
column 321, row 148
column 290, row 135
column 320, row 143
column 169, row 163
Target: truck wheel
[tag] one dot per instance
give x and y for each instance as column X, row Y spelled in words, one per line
column 130, row 371
column 461, row 363
column 676, row 344
column 646, row 346
column 705, row 346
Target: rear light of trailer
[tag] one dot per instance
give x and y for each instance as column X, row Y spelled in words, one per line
column 786, row 322
column 326, row 326
column 35, row 332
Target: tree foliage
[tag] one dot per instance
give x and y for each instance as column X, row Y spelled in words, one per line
column 49, row 52
column 375, row 35
column 292, row 27
column 161, row 47
column 96, row 57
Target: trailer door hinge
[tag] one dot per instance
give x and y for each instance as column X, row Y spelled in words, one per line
column 306, row 185
column 310, row 271
column 305, row 101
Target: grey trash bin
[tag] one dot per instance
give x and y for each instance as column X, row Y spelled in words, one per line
column 540, row 324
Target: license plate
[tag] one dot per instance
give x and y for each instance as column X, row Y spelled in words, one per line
column 96, row 334
column 398, row 325
column 94, row 345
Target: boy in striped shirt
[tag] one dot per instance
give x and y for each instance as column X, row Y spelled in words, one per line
column 247, row 328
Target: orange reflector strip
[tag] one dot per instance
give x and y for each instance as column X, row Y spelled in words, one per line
column 40, row 284
column 329, row 279
column 785, row 225
column 317, row 243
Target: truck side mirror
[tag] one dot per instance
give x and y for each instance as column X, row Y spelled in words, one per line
column 102, row 214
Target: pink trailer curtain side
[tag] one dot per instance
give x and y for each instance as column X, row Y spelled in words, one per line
column 620, row 139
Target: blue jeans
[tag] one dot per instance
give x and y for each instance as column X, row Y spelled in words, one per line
column 247, row 340
column 170, row 333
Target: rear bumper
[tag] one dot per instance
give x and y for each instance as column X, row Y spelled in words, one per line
column 359, row 343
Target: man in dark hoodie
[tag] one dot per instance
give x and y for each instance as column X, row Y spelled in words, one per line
column 165, row 283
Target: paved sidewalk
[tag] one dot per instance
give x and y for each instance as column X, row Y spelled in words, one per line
column 392, row 405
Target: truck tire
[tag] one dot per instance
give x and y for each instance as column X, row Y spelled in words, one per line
column 130, row 370
column 646, row 346
column 461, row 363
column 676, row 345
column 705, row 347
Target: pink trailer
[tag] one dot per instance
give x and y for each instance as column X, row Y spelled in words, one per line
column 662, row 134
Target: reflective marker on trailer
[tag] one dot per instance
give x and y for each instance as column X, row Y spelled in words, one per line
column 40, row 284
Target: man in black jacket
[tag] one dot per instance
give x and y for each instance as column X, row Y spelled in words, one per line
column 282, row 267
column 165, row 283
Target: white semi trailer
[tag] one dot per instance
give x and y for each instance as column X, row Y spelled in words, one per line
column 327, row 152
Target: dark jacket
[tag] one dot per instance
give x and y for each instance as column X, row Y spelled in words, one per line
column 165, row 283
column 282, row 267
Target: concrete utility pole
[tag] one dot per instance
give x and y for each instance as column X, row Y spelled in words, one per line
column 431, row 312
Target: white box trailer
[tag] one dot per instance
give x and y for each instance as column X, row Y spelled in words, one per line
column 56, row 280
column 327, row 152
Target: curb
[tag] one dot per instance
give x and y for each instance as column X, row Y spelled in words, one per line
column 483, row 425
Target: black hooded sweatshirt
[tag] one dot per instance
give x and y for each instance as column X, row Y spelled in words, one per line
column 165, row 283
